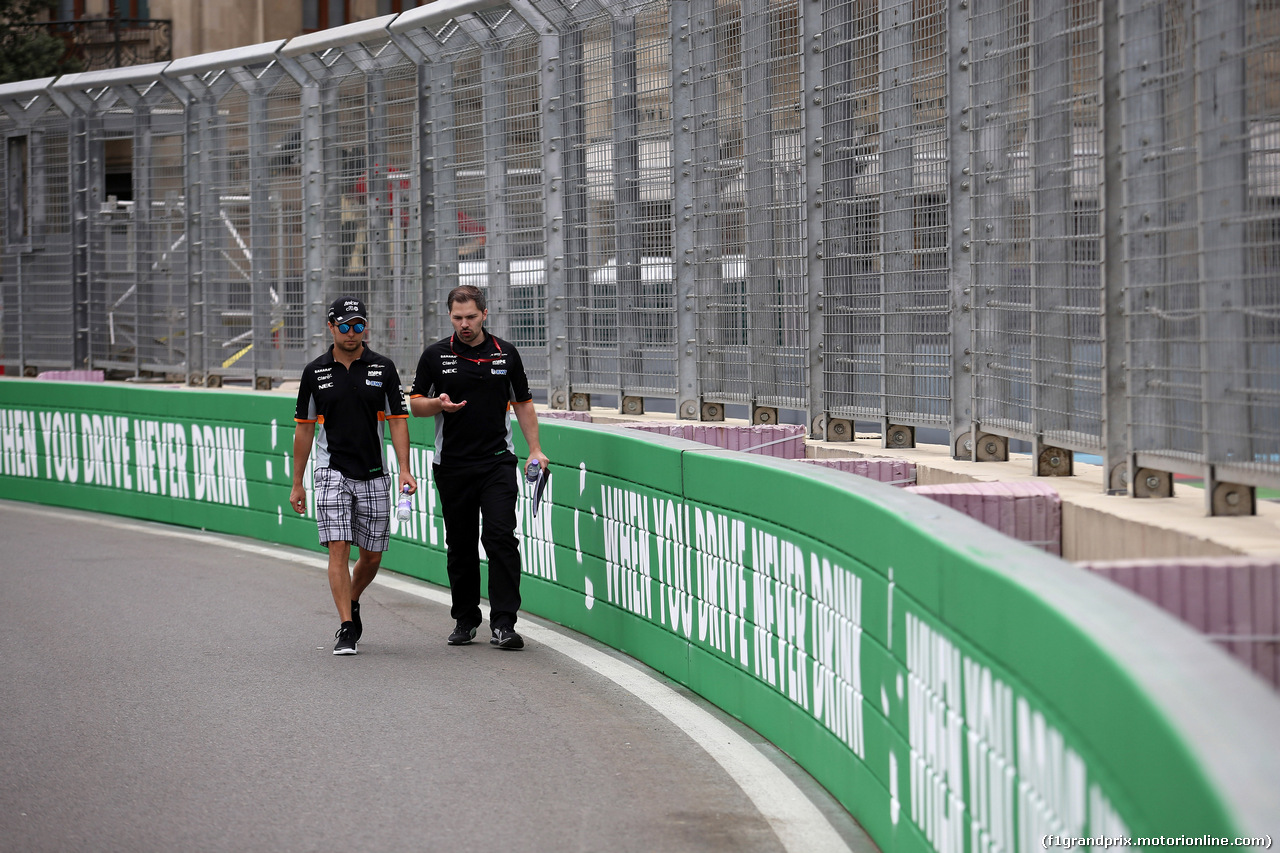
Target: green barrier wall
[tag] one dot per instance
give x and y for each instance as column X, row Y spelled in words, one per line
column 955, row 690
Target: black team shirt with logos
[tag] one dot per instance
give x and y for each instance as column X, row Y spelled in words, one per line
column 350, row 408
column 489, row 377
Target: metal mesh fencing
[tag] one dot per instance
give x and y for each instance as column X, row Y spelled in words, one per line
column 1255, row 442
column 371, row 218
column 35, row 236
column 642, row 270
column 505, row 241
column 115, row 327
column 228, row 241
column 252, row 306
column 228, row 253
column 162, row 253
column 591, row 233
column 749, row 236
column 106, row 134
column 1037, row 291
column 887, row 207
column 851, row 302
column 908, row 212
column 1200, row 135
column 1161, row 237
column 485, row 139
column 1002, row 187
column 137, row 282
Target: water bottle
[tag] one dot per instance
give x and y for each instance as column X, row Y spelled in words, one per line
column 405, row 506
column 531, row 473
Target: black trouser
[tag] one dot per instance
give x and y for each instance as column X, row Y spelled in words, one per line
column 466, row 495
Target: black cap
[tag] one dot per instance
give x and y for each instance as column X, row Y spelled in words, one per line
column 345, row 309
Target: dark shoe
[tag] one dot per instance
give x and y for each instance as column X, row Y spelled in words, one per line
column 462, row 634
column 357, row 626
column 346, row 644
column 507, row 638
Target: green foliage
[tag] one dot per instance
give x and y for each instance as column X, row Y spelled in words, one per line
column 29, row 51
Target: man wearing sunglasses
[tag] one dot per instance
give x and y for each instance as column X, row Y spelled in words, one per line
column 345, row 398
column 470, row 382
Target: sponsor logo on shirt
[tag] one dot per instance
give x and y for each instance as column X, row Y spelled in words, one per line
column 496, row 372
column 377, row 372
column 375, row 384
column 324, row 386
column 448, row 360
column 450, row 370
column 498, row 361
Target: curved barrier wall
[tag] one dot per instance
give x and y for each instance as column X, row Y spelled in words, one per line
column 954, row 689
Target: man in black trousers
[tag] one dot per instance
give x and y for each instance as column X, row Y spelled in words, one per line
column 468, row 382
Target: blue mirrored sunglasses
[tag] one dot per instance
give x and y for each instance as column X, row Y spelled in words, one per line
column 346, row 327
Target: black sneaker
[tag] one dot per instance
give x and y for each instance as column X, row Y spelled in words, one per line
column 507, row 638
column 357, row 627
column 462, row 634
column 346, row 644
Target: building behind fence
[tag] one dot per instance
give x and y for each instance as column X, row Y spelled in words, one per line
column 1010, row 221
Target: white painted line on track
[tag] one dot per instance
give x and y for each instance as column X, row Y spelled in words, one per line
column 798, row 823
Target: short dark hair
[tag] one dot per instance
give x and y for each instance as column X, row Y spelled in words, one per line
column 466, row 293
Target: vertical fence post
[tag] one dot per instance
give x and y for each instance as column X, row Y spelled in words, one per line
column 143, row 284
column 199, row 223
column 625, row 168
column 1115, row 409
column 1144, row 160
column 1222, row 166
column 429, row 228
column 764, row 303
column 897, row 198
column 813, row 141
column 259, row 232
column 377, row 192
column 718, row 317
column 996, row 363
column 683, row 243
column 444, row 142
column 190, row 191
column 78, row 152
column 198, row 100
column 216, row 174
column 960, row 237
column 311, row 164
column 1051, row 152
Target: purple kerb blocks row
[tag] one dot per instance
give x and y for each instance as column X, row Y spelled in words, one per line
column 781, row 441
column 1030, row 512
column 1234, row 601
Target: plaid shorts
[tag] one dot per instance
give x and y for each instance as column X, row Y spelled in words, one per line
column 356, row 511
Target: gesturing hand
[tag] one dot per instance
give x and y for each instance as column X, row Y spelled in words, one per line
column 448, row 405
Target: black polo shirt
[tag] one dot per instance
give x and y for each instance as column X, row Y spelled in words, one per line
column 349, row 408
column 489, row 377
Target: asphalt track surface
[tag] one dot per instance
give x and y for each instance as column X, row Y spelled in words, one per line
column 171, row 690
